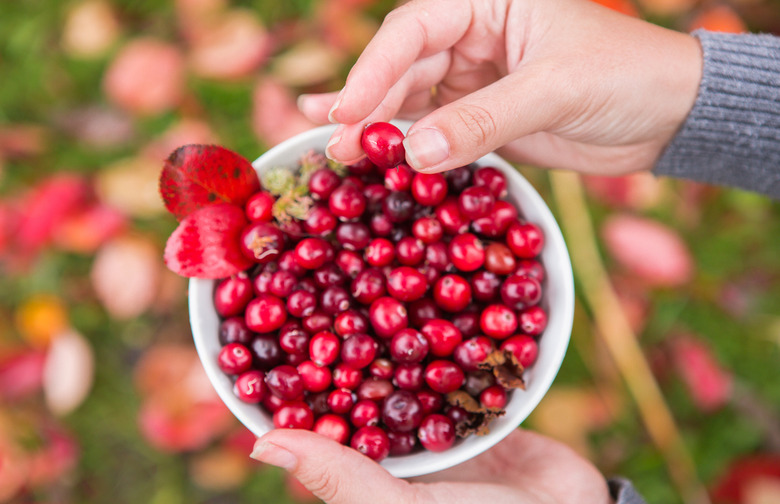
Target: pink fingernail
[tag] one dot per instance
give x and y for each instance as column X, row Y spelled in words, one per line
column 272, row 454
column 426, row 148
column 335, row 107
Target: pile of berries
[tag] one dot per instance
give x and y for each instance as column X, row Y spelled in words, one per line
column 396, row 314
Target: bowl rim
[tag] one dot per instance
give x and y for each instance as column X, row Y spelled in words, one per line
column 200, row 294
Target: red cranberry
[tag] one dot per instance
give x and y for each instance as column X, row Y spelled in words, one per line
column 498, row 321
column 250, row 387
column 387, row 316
column 368, row 286
column 266, row 351
column 383, row 144
column 406, row 284
column 532, row 321
column 332, row 426
column 429, row 189
column 492, row 178
column 372, row 442
column 340, row 401
column 381, row 368
column 316, row 322
column 431, row 401
column 294, row 415
column 315, row 378
column 427, row 229
column 449, row 215
column 381, row 225
column 234, row 330
column 409, row 376
column 409, row 345
column 282, row 284
column 318, row 402
column 402, row 411
column 334, row 300
column 311, row 253
column 452, row 293
column 301, row 303
column 467, row 323
column 521, row 292
column 499, row 259
column 523, row 347
column 262, row 242
column 458, row 179
column 475, row 202
column 496, row 223
column 477, row 381
column 259, row 207
column 362, row 167
column 329, row 275
column 410, row 251
column 442, row 336
column 262, row 282
column 272, row 403
column 375, row 194
column 287, row 262
column 293, row 339
column 294, row 359
column 375, row 389
column 265, row 313
column 232, row 294
column 402, row 443
column 350, row 262
column 398, row 206
column 457, row 414
column 470, row 353
column 353, row 235
column 444, row 376
column 285, row 382
column 530, row 268
column 358, row 350
column 308, row 284
column 485, row 286
column 436, row 432
column 466, row 252
column 347, row 201
column 365, row 412
column 323, row 182
column 422, row 310
column 347, row 377
column 380, row 252
column 525, row 239
column 350, row 322
column 234, row 358
column 399, row 178
column 319, row 221
column 324, row 348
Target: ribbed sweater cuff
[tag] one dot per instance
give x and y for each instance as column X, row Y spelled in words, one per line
column 732, row 135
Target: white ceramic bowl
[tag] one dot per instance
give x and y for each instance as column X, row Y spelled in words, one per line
column 558, row 301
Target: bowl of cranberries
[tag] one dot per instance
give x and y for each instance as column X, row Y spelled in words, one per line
column 418, row 318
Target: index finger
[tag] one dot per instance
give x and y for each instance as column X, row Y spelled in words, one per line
column 414, row 30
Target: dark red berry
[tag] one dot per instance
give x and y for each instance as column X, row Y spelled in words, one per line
column 444, row 376
column 466, row 252
column 358, row 350
column 532, row 321
column 398, row 206
column 265, row 313
column 442, row 336
column 262, row 242
column 365, row 412
column 250, row 386
column 458, row 179
column 409, row 376
column 234, row 358
column 372, row 442
column 406, row 284
column 492, row 178
column 347, row 201
column 350, row 262
column 232, row 294
column 332, row 426
column 282, row 284
column 409, row 345
column 383, row 144
column 399, row 178
column 436, row 432
column 470, row 353
column 410, row 251
column 323, row 182
column 429, row 189
column 315, row 378
column 368, row 286
column 475, row 202
column 387, row 316
column 294, row 415
column 319, row 221
column 324, row 348
column 402, row 443
column 285, row 382
column 452, row 293
column 525, row 239
column 498, row 321
column 293, row 339
column 301, row 303
column 402, row 411
column 259, row 207
column 234, row 330
column 519, row 292
column 432, row 402
column 311, row 253
column 340, row 401
column 375, row 389
column 266, row 351
column 523, row 347
column 353, row 235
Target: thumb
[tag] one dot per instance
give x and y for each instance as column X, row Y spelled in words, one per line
column 464, row 130
column 333, row 472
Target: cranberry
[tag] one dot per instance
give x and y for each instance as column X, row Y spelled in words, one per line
column 287, row 262
column 380, row 252
column 387, row 316
column 282, row 284
column 329, row 275
column 345, row 376
column 409, row 376
column 234, row 358
column 410, row 251
column 293, row 339
column 472, row 352
column 285, row 382
column 368, row 286
column 422, row 310
column 294, row 415
column 347, row 201
column 340, row 401
column 406, row 284
column 442, row 336
column 318, row 402
column 402, row 443
column 358, row 350
column 353, row 235
column 399, row 178
column 444, row 376
column 323, row 182
column 520, row 292
column 294, row 359
column 497, row 222
column 427, row 229
column 383, row 144
column 466, row 252
column 499, row 259
column 398, row 206
column 498, row 321
column 365, row 412
column 375, row 194
column 381, row 225
column 485, row 286
column 262, row 242
column 315, row 378
column 409, row 345
column 449, row 215
column 431, row 401
column 532, row 321
column 350, row 322
column 272, row 403
column 457, row 414
column 452, row 293
column 332, row 426
column 458, row 179
column 375, row 389
column 232, row 294
column 362, row 167
column 259, row 207
column 234, row 330
column 402, row 411
column 265, row 313
column 525, row 239
column 307, row 284
column 372, row 442
column 475, row 202
column 319, row 221
column 334, row 300
column 436, row 432
column 324, row 348
column 316, row 322
column 311, row 253
column 530, row 268
column 429, row 189
column 301, row 303
column 250, row 387
column 492, row 178
column 350, row 262
column 381, row 368
column 266, row 351
column 523, row 347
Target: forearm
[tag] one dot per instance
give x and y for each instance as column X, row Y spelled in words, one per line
column 732, row 135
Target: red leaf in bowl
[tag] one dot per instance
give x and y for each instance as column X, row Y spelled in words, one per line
column 206, row 243
column 198, row 175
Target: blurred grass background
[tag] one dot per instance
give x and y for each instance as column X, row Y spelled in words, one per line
column 103, row 399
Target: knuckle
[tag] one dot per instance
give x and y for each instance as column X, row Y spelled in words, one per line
column 478, row 123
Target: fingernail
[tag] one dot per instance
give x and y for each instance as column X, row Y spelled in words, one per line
column 300, row 102
column 273, row 454
column 335, row 107
column 336, row 138
column 426, row 148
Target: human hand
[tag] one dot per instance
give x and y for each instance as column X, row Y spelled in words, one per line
column 524, row 468
column 555, row 83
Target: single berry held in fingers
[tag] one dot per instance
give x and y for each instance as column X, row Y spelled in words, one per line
column 383, row 144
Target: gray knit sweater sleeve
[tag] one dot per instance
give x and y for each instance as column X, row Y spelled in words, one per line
column 732, row 135
column 622, row 492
